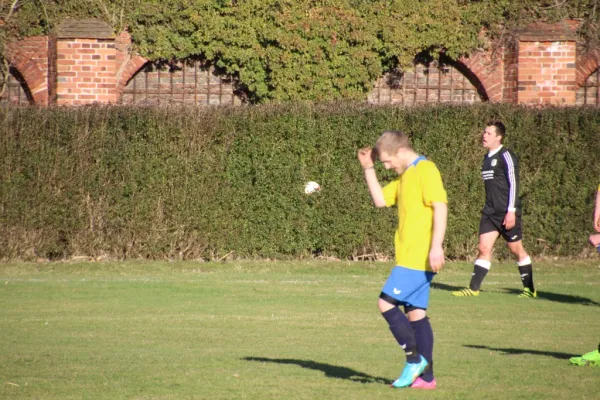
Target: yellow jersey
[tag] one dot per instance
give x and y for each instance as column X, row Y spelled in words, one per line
column 414, row 193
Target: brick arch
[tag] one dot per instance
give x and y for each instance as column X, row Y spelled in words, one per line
column 34, row 78
column 586, row 65
column 430, row 81
column 16, row 83
column 487, row 72
column 474, row 79
column 128, row 70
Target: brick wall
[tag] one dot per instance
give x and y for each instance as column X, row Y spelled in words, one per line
column 84, row 62
column 547, row 63
column 86, row 71
column 546, row 72
column 511, row 70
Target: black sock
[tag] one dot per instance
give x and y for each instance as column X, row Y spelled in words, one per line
column 424, row 337
column 403, row 332
column 526, row 272
column 477, row 278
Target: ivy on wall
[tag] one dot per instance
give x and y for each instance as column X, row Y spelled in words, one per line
column 290, row 50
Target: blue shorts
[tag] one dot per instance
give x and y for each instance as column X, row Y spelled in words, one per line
column 409, row 287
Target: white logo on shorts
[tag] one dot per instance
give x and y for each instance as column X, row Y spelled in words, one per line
column 396, row 291
column 514, row 237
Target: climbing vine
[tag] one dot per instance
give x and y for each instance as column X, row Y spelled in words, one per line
column 290, row 50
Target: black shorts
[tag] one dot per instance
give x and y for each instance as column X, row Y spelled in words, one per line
column 491, row 223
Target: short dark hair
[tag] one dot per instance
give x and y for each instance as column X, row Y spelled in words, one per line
column 500, row 128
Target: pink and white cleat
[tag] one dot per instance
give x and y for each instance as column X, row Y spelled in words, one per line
column 421, row 384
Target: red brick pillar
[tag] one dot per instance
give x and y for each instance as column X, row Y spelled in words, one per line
column 86, row 63
column 510, row 78
column 547, row 64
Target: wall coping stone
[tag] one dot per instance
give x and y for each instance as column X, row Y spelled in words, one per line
column 90, row 28
column 546, row 32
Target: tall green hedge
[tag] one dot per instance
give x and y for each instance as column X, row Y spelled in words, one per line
column 188, row 183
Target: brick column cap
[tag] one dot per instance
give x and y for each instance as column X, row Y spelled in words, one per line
column 90, row 28
column 550, row 32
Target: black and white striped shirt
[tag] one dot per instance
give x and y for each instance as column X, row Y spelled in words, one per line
column 500, row 173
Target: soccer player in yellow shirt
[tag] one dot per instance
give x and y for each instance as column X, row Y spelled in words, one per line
column 421, row 202
column 593, row 357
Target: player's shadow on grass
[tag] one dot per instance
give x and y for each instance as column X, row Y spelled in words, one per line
column 443, row 286
column 330, row 371
column 513, row 351
column 561, row 298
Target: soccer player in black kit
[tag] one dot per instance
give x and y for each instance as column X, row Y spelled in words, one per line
column 501, row 214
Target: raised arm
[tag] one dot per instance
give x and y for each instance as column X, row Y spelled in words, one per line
column 365, row 156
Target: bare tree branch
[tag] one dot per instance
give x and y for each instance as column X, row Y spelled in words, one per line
column 4, row 71
column 11, row 10
column 109, row 16
column 4, row 66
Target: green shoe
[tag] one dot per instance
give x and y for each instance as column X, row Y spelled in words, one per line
column 410, row 373
column 592, row 359
column 528, row 294
column 466, row 292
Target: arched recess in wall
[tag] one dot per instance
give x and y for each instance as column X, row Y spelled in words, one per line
column 16, row 92
column 183, row 82
column 430, row 81
column 588, row 93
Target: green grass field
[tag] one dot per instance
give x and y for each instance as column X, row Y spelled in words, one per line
column 285, row 330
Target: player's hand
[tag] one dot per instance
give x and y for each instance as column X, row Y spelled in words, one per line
column 436, row 258
column 509, row 220
column 365, row 156
column 597, row 223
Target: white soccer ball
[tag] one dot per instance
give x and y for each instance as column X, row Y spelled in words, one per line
column 311, row 187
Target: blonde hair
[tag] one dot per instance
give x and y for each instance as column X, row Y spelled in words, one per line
column 392, row 141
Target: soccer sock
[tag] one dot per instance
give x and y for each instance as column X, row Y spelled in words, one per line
column 424, row 338
column 403, row 332
column 526, row 271
column 480, row 270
